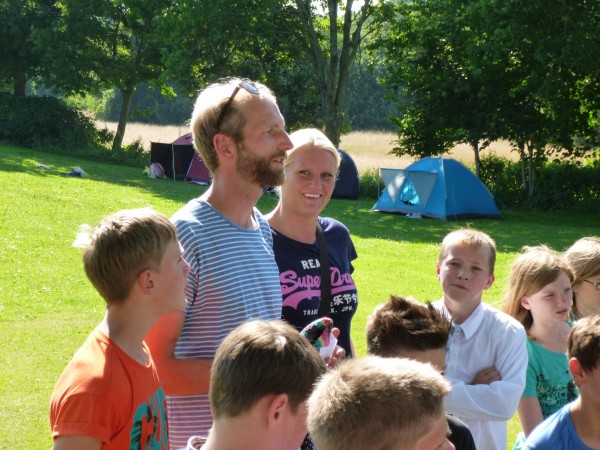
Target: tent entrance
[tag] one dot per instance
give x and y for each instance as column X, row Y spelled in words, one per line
column 411, row 188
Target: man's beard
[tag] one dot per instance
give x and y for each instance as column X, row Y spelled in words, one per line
column 258, row 170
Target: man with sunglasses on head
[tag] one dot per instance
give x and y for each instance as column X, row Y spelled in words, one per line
column 239, row 132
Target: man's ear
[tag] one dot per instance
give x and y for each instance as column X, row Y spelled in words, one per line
column 224, row 145
column 277, row 407
column 489, row 283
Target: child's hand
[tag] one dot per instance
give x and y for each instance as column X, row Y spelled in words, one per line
column 338, row 354
column 486, row 376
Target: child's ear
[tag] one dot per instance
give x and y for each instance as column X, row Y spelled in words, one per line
column 437, row 270
column 525, row 303
column 576, row 371
column 145, row 282
column 276, row 409
column 489, row 282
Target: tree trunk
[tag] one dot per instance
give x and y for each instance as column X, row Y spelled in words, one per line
column 331, row 66
column 531, row 167
column 475, row 145
column 523, row 159
column 19, row 83
column 127, row 95
column 333, row 123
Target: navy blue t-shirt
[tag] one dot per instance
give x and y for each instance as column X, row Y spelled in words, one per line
column 300, row 278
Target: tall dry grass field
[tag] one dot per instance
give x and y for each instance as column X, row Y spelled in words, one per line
column 369, row 149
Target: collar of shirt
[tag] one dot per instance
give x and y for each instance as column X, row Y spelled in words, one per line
column 469, row 326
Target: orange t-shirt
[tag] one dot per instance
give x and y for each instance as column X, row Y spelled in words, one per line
column 105, row 394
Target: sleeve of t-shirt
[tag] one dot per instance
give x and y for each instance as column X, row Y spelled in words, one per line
column 84, row 414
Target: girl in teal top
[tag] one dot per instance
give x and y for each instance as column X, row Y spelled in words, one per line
column 540, row 297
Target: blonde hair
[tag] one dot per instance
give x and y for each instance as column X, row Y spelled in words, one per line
column 535, row 268
column 121, row 247
column 312, row 136
column 466, row 237
column 209, row 106
column 375, row 403
column 584, row 258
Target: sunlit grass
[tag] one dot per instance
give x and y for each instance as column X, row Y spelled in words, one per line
column 47, row 307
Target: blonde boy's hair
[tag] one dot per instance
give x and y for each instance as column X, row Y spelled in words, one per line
column 465, row 237
column 375, row 403
column 584, row 258
column 121, row 247
column 208, row 108
column 535, row 268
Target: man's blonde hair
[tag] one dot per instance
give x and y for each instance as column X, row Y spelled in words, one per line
column 208, row 108
column 121, row 247
column 375, row 403
column 466, row 237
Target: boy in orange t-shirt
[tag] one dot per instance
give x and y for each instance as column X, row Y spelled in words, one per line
column 109, row 395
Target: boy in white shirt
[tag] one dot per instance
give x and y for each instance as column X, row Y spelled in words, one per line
column 486, row 361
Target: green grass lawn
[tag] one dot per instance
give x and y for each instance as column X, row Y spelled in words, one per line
column 47, row 306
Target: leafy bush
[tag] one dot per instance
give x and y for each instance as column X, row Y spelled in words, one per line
column 371, row 184
column 503, row 178
column 50, row 124
column 45, row 123
column 559, row 185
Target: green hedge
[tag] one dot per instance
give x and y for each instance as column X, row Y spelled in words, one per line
column 559, row 185
column 49, row 124
column 45, row 122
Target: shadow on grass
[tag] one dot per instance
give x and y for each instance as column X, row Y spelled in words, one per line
column 519, row 228
column 558, row 229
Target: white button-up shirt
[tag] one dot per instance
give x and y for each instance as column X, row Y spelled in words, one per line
column 488, row 338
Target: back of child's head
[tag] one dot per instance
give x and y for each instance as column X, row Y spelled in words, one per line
column 465, row 237
column 375, row 403
column 533, row 269
column 583, row 342
column 584, row 258
column 122, row 246
column 403, row 324
column 258, row 359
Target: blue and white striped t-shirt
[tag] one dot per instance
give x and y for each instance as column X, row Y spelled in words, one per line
column 234, row 279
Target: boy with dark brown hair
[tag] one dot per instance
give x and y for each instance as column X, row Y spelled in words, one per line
column 403, row 327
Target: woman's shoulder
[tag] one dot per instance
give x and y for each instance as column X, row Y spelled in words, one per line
column 331, row 224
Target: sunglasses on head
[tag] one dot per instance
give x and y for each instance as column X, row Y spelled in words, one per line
column 248, row 87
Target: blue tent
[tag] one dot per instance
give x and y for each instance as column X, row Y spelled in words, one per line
column 441, row 188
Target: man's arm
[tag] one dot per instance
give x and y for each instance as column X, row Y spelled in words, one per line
column 77, row 443
column 499, row 399
column 181, row 376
